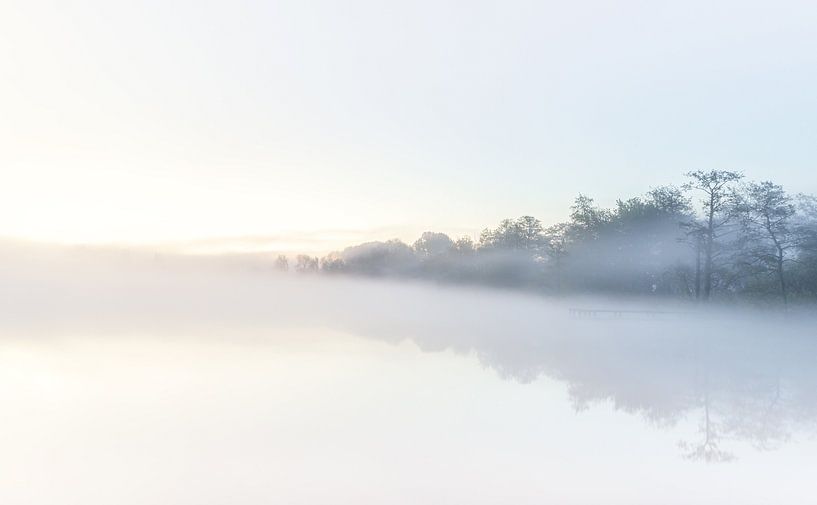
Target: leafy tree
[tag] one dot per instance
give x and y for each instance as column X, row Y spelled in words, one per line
column 669, row 201
column 433, row 244
column 332, row 264
column 529, row 229
column 557, row 238
column 464, row 245
column 392, row 257
column 306, row 264
column 522, row 234
column 805, row 264
column 586, row 218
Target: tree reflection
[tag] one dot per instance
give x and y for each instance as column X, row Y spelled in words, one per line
column 742, row 384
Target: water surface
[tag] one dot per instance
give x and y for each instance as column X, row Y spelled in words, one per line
column 224, row 389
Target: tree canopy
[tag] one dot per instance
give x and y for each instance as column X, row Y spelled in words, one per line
column 715, row 236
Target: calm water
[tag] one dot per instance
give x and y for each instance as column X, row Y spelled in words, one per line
column 219, row 391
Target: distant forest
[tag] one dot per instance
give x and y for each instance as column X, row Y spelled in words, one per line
column 715, row 237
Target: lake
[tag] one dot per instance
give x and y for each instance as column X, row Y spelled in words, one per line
column 187, row 388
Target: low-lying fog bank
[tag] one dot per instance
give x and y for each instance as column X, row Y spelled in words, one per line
column 748, row 375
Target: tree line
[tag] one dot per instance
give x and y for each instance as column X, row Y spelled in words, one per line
column 717, row 235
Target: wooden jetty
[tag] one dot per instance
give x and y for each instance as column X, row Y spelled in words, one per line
column 581, row 313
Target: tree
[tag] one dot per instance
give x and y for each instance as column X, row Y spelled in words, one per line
column 281, row 263
column 587, row 218
column 332, row 264
column 669, row 200
column 767, row 217
column 306, row 264
column 524, row 233
column 464, row 245
column 804, row 278
column 392, row 257
column 503, row 236
column 433, row 244
column 643, row 243
column 718, row 209
column 529, row 229
column 558, row 239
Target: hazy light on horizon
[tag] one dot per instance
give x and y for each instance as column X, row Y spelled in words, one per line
column 164, row 121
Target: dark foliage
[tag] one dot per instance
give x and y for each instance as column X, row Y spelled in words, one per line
column 713, row 237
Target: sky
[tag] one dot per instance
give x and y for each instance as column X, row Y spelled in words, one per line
column 317, row 124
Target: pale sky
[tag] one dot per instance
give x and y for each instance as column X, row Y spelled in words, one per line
column 314, row 121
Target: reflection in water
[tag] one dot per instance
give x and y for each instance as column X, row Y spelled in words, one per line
column 745, row 377
column 746, row 380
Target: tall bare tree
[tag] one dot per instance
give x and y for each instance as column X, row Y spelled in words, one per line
column 718, row 209
column 768, row 214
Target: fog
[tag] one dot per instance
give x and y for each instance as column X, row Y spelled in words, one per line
column 176, row 379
